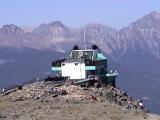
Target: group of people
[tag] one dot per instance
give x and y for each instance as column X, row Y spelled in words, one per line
column 130, row 104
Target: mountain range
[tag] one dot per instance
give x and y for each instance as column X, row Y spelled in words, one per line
column 143, row 34
column 133, row 50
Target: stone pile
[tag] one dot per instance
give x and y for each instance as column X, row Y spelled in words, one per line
column 44, row 90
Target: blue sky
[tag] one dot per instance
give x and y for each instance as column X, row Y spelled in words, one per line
column 75, row 13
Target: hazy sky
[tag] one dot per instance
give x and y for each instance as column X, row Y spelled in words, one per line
column 75, row 13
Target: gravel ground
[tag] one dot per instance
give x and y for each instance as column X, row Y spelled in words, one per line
column 56, row 109
column 32, row 103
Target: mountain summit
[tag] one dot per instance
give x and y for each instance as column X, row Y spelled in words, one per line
column 143, row 34
column 51, row 28
column 12, row 29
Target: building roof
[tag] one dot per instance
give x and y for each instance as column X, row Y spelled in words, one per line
column 100, row 56
column 88, row 54
column 69, row 60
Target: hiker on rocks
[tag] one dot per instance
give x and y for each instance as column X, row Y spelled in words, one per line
column 140, row 104
column 3, row 90
column 130, row 104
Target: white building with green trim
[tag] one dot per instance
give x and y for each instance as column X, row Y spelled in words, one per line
column 85, row 66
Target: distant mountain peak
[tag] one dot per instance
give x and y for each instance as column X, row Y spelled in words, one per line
column 12, row 29
column 149, row 22
column 153, row 16
column 57, row 23
column 53, row 24
column 155, row 13
column 50, row 27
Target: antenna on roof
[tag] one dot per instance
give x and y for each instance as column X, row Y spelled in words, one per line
column 84, row 37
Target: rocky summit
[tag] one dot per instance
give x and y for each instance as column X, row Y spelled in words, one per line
column 47, row 100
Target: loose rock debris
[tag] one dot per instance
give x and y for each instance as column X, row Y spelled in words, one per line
column 46, row 91
column 46, row 100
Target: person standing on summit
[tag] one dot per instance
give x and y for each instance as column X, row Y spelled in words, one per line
column 129, row 104
column 140, row 104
